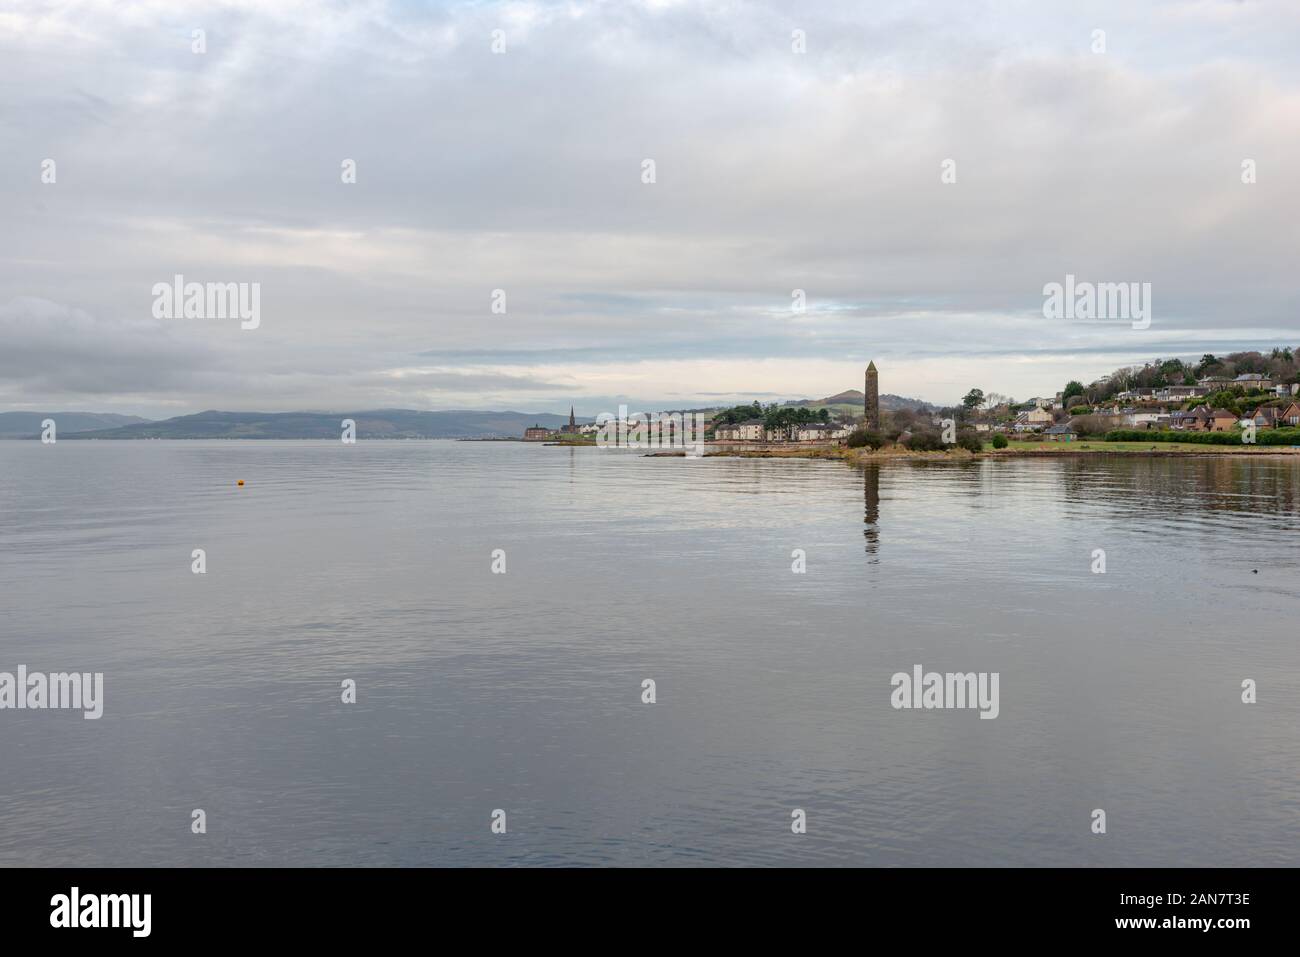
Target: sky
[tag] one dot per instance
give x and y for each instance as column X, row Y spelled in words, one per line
column 1113, row 157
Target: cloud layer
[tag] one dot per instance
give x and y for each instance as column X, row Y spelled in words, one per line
column 522, row 171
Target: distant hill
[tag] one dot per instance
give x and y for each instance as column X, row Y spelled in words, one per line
column 853, row 397
column 374, row 424
column 27, row 425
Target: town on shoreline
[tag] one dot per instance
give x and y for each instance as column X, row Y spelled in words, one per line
column 1241, row 402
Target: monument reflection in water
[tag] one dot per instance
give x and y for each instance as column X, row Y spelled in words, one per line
column 871, row 494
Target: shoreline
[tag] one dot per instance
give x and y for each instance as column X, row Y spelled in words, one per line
column 858, row 456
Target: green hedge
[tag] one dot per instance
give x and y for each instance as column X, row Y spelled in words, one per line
column 1277, row 437
column 1262, row 436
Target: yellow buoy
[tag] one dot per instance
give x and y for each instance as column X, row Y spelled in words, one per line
column 241, row 482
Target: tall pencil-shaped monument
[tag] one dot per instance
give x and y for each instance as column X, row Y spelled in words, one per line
column 871, row 399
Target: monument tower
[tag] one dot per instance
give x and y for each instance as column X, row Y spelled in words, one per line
column 871, row 399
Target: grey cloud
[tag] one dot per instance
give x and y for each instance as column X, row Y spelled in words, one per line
column 521, row 171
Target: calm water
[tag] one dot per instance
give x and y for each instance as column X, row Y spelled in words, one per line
column 522, row 691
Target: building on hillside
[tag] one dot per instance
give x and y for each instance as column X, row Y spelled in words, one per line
column 1033, row 420
column 1265, row 417
column 1175, row 392
column 1204, row 419
column 1060, row 433
column 1149, row 419
column 1221, row 420
column 1253, row 380
column 1137, row 395
column 1290, row 416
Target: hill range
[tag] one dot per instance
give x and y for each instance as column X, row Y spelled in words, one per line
column 372, row 424
column 27, row 425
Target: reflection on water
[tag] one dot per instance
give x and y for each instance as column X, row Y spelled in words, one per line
column 871, row 492
column 522, row 691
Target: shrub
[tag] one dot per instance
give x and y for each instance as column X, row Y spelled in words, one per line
column 1277, row 437
column 861, row 437
column 1086, row 425
column 1081, row 410
column 1198, row 438
column 925, row 442
column 970, row 442
column 999, row 441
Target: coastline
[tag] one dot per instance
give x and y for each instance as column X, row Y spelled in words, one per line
column 1055, row 450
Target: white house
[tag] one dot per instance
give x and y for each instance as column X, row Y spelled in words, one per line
column 814, row 432
column 1032, row 420
column 1145, row 420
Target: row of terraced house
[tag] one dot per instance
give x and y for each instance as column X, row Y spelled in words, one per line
column 754, row 430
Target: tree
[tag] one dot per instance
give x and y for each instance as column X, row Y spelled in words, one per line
column 1090, row 424
column 1225, row 399
column 926, row 441
column 1073, row 387
column 974, row 399
column 739, row 413
column 784, row 418
column 863, row 437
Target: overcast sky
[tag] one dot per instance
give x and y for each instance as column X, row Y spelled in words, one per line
column 522, row 171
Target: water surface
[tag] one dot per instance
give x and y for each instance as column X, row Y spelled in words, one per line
column 522, row 691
